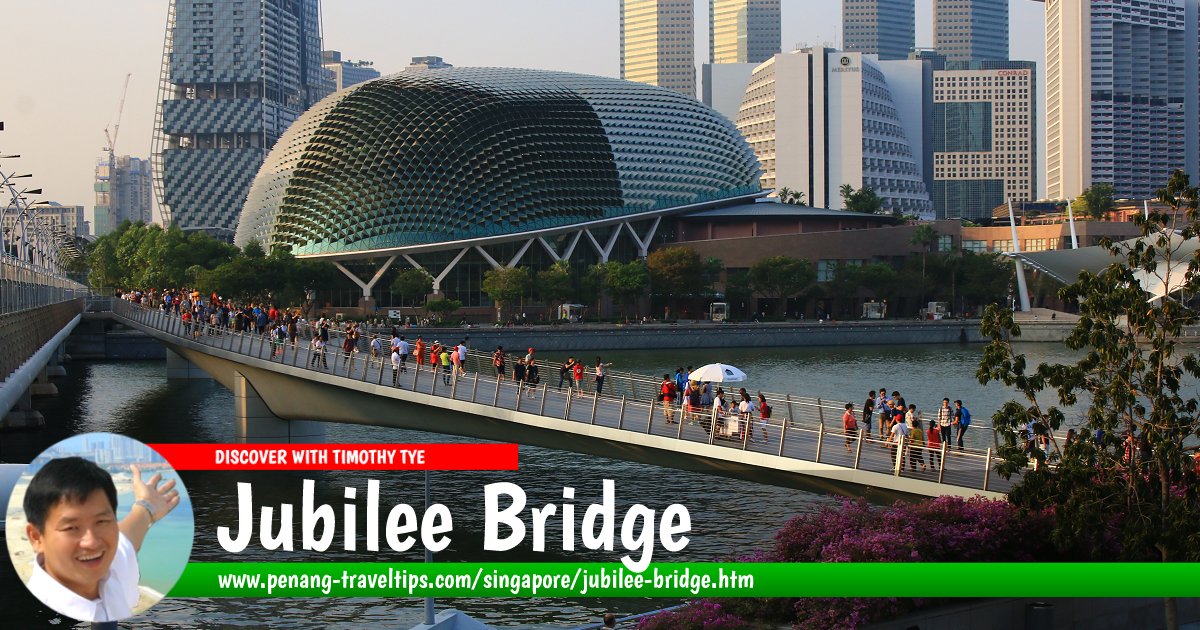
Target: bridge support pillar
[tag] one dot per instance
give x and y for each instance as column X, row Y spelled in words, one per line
column 54, row 368
column 254, row 421
column 42, row 387
column 22, row 415
column 180, row 368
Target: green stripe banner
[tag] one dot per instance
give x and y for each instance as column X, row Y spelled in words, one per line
column 681, row 580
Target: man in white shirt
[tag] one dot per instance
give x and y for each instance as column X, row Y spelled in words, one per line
column 86, row 562
column 403, row 348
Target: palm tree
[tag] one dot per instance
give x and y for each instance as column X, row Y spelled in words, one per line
column 924, row 236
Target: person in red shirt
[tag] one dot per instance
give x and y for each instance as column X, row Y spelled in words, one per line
column 419, row 351
column 577, row 376
column 667, row 395
column 849, row 425
column 935, row 445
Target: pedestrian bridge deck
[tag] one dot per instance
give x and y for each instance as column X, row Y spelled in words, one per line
column 804, row 445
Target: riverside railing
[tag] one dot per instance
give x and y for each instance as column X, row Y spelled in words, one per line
column 801, row 428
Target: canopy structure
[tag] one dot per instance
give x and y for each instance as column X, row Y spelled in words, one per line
column 1065, row 265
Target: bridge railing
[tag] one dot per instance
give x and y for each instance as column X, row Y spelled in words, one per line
column 802, row 430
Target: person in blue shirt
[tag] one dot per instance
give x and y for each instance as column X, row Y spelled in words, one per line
column 962, row 420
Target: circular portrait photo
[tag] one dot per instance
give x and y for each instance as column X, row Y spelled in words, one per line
column 99, row 527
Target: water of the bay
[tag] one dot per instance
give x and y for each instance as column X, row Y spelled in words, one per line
column 729, row 518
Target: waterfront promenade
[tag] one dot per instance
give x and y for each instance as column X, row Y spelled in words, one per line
column 804, row 444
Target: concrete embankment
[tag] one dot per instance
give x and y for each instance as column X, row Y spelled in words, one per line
column 97, row 337
column 707, row 335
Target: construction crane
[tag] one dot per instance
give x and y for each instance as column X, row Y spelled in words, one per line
column 112, row 140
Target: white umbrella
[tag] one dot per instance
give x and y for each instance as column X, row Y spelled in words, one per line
column 717, row 373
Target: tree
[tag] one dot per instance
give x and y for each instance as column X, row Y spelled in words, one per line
column 782, row 277
column 738, row 291
column 554, row 285
column 676, row 271
column 442, row 307
column 504, row 286
column 1116, row 494
column 626, row 282
column 862, row 200
column 796, row 197
column 986, row 277
column 1096, row 202
column 412, row 285
column 254, row 249
column 924, row 237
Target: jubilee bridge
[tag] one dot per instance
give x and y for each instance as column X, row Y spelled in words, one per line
column 280, row 396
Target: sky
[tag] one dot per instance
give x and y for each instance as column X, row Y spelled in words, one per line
column 67, row 61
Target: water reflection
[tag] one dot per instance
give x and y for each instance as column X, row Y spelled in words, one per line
column 729, row 517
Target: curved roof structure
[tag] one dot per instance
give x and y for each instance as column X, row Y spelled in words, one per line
column 452, row 155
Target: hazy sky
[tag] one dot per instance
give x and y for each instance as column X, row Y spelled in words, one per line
column 67, row 60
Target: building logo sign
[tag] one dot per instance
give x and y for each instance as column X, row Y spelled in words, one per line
column 845, row 66
column 1012, row 73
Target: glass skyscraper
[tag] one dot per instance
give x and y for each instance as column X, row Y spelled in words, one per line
column 1121, row 94
column 743, row 31
column 235, row 74
column 971, row 30
column 658, row 43
column 882, row 27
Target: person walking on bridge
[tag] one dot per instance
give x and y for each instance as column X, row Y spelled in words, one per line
column 601, row 373
column 498, row 362
column 868, row 411
column 962, row 418
column 945, row 420
column 849, row 425
column 419, row 351
column 666, row 393
column 564, row 373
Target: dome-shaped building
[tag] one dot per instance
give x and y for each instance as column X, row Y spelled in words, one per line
column 466, row 156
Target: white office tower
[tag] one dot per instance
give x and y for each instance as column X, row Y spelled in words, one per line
column 658, row 43
column 1121, row 91
column 820, row 118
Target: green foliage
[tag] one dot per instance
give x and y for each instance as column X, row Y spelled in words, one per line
column 796, row 197
column 412, row 285
column 506, row 285
column 555, row 284
column 626, row 282
column 1095, row 202
column 254, row 249
column 1113, row 502
column 924, row 237
column 147, row 256
column 782, row 277
column 739, row 290
column 442, row 307
column 279, row 278
column 862, row 200
column 985, row 278
column 676, row 271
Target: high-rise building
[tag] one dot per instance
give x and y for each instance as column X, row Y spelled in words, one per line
column 819, row 119
column 123, row 193
column 235, row 74
column 658, row 43
column 971, row 30
column 69, row 217
column 346, row 73
column 886, row 28
column 984, row 137
column 428, row 63
column 743, row 31
column 1121, row 94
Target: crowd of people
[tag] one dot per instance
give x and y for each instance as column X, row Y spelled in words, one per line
column 682, row 399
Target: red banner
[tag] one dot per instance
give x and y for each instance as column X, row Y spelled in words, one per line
column 339, row 456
